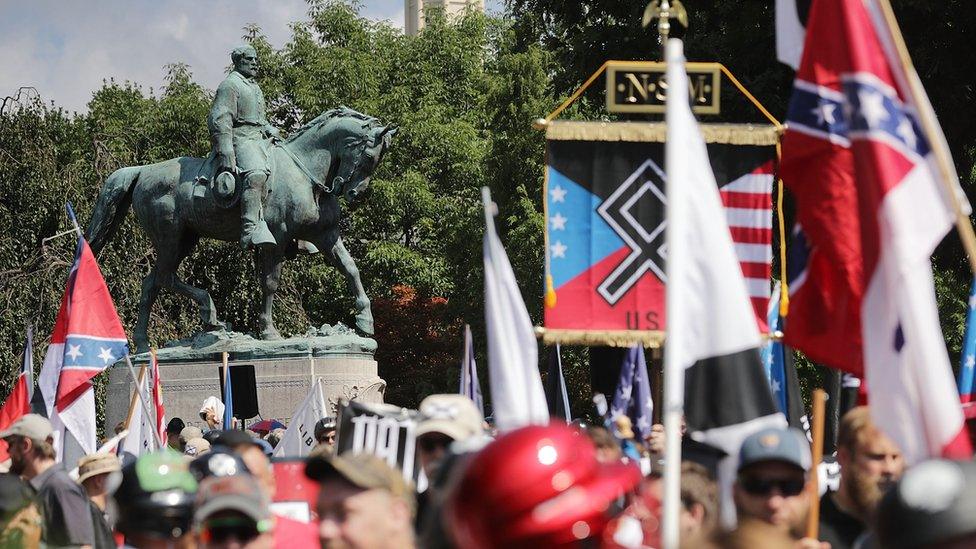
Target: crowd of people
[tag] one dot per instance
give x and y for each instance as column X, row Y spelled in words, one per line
column 553, row 485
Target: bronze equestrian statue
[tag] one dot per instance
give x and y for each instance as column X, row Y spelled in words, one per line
column 178, row 201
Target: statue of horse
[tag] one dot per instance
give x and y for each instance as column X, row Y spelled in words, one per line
column 334, row 154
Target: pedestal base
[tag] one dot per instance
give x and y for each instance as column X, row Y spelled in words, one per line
column 282, row 384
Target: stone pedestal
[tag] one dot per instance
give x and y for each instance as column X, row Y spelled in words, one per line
column 284, row 371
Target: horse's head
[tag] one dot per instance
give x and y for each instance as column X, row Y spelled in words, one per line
column 358, row 156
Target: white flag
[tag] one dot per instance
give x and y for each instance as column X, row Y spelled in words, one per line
column 140, row 439
column 790, row 31
column 513, row 360
column 299, row 439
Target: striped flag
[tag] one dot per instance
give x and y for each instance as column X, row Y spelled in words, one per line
column 632, row 397
column 747, row 201
column 157, row 398
column 967, row 360
column 470, row 386
column 18, row 402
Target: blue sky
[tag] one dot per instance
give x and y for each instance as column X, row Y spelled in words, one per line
column 65, row 49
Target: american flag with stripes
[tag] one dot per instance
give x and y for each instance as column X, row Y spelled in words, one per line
column 748, row 211
column 605, row 209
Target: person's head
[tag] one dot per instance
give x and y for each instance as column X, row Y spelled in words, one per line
column 197, row 446
column 233, row 511
column 189, row 433
column 325, row 432
column 699, row 501
column 870, row 462
column 443, row 420
column 607, row 448
column 538, row 486
column 363, row 502
column 245, row 60
column 932, row 506
column 30, row 445
column 99, row 474
column 772, row 476
column 155, row 501
column 173, row 429
column 253, row 452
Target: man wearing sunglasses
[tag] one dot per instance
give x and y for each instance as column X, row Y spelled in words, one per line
column 325, row 432
column 771, row 481
column 232, row 511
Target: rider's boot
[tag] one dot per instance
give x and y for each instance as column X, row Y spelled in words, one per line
column 254, row 230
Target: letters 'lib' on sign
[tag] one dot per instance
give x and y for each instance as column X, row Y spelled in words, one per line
column 640, row 87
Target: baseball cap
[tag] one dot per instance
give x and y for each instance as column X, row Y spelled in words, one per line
column 156, row 495
column 323, row 425
column 97, row 464
column 31, row 426
column 190, row 432
column 240, row 493
column 453, row 415
column 221, row 462
column 775, row 444
column 934, row 502
column 196, row 447
column 174, row 426
column 365, row 471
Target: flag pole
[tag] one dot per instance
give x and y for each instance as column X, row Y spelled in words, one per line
column 813, row 518
column 134, row 399
column 142, row 398
column 223, row 367
column 930, row 127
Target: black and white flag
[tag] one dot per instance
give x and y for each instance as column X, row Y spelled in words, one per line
column 713, row 373
column 791, row 23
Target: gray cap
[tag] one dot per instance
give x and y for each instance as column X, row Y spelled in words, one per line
column 31, row 426
column 933, row 503
column 776, row 444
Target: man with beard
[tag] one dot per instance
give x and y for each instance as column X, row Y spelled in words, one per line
column 67, row 520
column 869, row 463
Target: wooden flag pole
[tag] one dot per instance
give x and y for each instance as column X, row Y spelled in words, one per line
column 135, row 398
column 947, row 171
column 813, row 519
column 142, row 398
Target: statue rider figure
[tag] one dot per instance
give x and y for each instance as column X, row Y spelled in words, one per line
column 238, row 130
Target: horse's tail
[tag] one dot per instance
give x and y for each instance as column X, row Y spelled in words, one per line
column 113, row 203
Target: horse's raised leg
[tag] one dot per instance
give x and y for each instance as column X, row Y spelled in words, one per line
column 208, row 311
column 150, row 291
column 268, row 262
column 340, row 259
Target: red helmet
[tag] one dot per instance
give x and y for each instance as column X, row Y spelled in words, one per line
column 539, row 486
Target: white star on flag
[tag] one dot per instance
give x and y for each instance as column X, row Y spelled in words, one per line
column 970, row 361
column 74, row 351
column 872, row 108
column 558, row 249
column 825, row 113
column 558, row 194
column 776, row 387
column 558, row 222
column 972, row 301
column 907, row 132
column 642, row 423
column 106, row 355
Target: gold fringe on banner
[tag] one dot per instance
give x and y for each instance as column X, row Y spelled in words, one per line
column 612, row 338
column 656, row 132
column 652, row 339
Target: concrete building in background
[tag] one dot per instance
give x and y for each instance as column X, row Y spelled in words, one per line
column 414, row 11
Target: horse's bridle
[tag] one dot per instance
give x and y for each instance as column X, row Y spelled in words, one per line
column 338, row 180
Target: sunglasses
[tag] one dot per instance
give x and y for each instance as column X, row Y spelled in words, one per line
column 224, row 530
column 432, row 443
column 764, row 487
